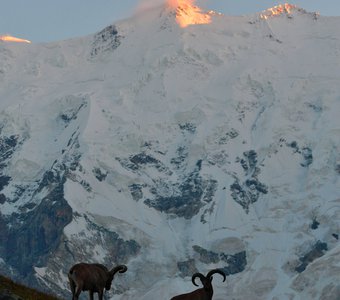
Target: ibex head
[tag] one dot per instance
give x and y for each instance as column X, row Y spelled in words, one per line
column 204, row 293
column 111, row 274
column 206, row 280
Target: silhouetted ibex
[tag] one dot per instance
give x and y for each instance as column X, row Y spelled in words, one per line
column 204, row 293
column 93, row 278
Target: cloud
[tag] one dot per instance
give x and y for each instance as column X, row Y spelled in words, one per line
column 144, row 5
column 148, row 4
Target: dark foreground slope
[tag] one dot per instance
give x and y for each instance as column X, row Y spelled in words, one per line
column 10, row 290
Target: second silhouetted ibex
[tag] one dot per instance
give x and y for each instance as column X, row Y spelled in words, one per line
column 204, row 293
column 93, row 278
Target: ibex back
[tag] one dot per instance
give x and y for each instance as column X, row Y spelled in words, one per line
column 93, row 278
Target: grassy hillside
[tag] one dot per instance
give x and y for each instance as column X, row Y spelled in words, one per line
column 18, row 291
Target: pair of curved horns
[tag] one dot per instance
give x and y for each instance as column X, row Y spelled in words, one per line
column 210, row 273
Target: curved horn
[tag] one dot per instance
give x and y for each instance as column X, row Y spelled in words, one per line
column 199, row 275
column 120, row 269
column 216, row 271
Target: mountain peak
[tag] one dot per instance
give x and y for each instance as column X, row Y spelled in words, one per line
column 187, row 13
column 9, row 38
column 281, row 10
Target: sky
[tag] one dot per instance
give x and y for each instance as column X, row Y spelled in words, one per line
column 52, row 20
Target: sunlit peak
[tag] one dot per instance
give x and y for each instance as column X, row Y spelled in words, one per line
column 278, row 10
column 189, row 14
column 9, row 38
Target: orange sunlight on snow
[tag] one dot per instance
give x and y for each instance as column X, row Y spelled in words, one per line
column 277, row 10
column 9, row 38
column 188, row 13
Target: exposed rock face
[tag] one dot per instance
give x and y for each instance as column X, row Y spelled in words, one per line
column 190, row 196
column 106, row 40
column 317, row 251
column 236, row 263
column 39, row 234
column 174, row 151
column 250, row 190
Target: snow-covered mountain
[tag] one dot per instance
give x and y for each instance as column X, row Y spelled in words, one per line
column 175, row 150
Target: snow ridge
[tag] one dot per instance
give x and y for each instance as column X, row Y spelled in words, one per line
column 174, row 151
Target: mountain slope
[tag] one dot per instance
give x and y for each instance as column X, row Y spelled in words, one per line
column 175, row 150
column 10, row 290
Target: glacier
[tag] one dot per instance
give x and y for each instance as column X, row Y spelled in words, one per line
column 175, row 150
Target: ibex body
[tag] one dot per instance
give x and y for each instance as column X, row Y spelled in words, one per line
column 93, row 278
column 204, row 293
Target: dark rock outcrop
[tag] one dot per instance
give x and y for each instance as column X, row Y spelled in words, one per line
column 36, row 235
column 106, row 40
column 236, row 263
column 191, row 195
column 317, row 251
column 249, row 191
